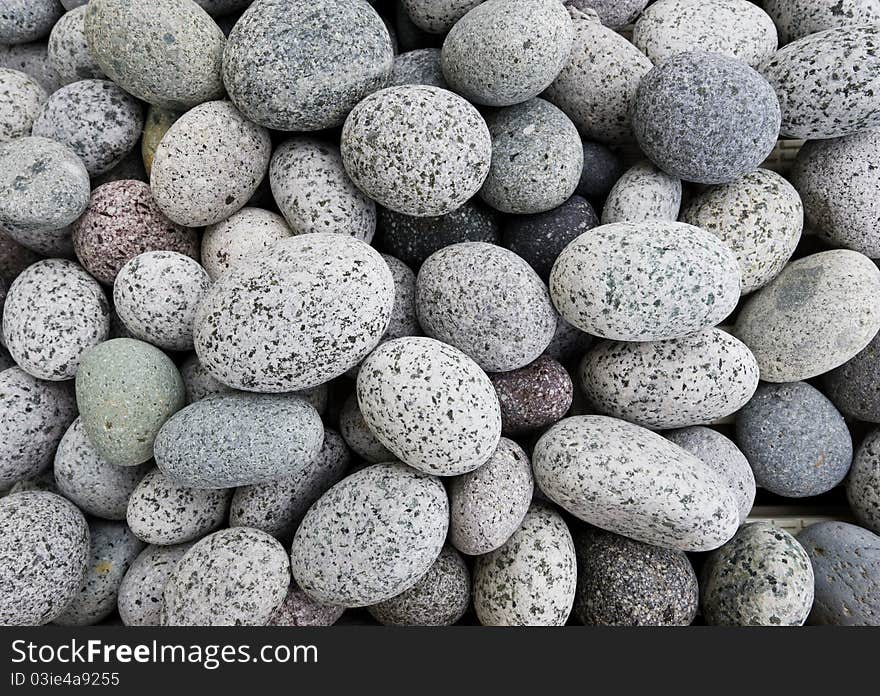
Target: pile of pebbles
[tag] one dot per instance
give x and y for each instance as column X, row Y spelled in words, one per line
column 433, row 312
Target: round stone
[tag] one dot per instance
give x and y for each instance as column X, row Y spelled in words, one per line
column 68, row 49
column 797, row 18
column 27, row 20
column 854, row 387
column 21, row 99
column 14, row 258
column 302, row 65
column 437, row 17
column 602, row 169
column 404, row 319
column 248, row 232
column 431, row 155
column 140, row 592
column 359, row 437
column 198, row 382
column 613, row 13
column 706, row 117
column 298, row 609
column 762, row 577
column 33, row 59
column 863, row 484
column 420, row 67
column 642, row 193
column 533, row 396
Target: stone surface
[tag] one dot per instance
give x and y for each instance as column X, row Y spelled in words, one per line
column 420, row 67
column 246, row 233
column 158, row 122
column 613, row 13
column 27, row 20
column 602, row 169
column 533, row 396
column 21, row 99
column 298, row 609
column 796, row 18
column 854, row 387
column 863, row 484
column 642, row 193
column 33, row 59
column 437, row 17
column 359, row 437
column 140, row 592
column 68, row 49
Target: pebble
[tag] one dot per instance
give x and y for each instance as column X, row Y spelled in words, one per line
column 762, row 577
column 44, row 551
column 246, row 233
column 488, row 505
column 530, row 580
column 33, row 59
column 198, row 382
column 126, row 390
column 846, row 564
column 21, row 99
column 234, row 577
column 645, row 281
column 69, row 51
column 302, row 65
column 622, row 582
column 130, row 42
column 298, row 609
column 314, row 193
column 437, row 17
column 370, row 537
column 265, row 324
column 89, row 481
column 602, row 168
column 819, row 312
column 433, row 154
column 863, row 484
column 27, row 20
column 447, row 423
column 854, row 387
column 359, row 437
column 534, row 396
column 628, row 480
column 14, row 258
column 797, row 18
column 140, row 592
column 157, row 124
column 420, row 67
column 209, row 164
column 54, row 312
column 643, row 192
column 404, row 318
column 122, row 222
column 568, row 342
column 163, row 513
column 760, row 217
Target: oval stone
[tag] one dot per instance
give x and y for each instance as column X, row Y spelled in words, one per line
column 643, row 192
column 140, row 592
column 796, row 18
column 863, row 483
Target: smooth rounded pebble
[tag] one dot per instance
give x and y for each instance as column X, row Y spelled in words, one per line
column 488, row 505
column 447, row 422
column 705, row 117
column 722, row 456
column 198, row 382
column 234, row 577
column 537, row 158
column 795, row 440
column 685, row 381
column 828, row 83
column 431, row 155
column 44, row 550
column 370, row 537
column 760, row 217
column 157, row 294
column 21, row 99
column 837, row 180
column 645, row 281
column 735, row 28
column 500, row 54
column 420, row 67
column 358, row 436
column 797, row 18
column 629, row 480
column 597, row 86
column 534, row 396
column 93, row 484
column 33, row 59
column 568, row 342
column 437, row 17
column 246, row 233
column 302, row 65
column 761, row 577
column 613, row 13
column 622, row 582
column 643, row 192
column 69, row 51
column 863, row 483
column 54, row 312
column 530, row 580
column 487, row 302
column 113, row 548
column 123, row 221
column 131, row 43
column 126, row 390
column 602, row 168
column 819, row 312
column 237, row 439
column 295, row 316
column 140, row 592
column 209, row 164
column 854, row 387
column 846, row 564
column 34, row 415
column 314, row 193
column 298, row 609
column 439, row 598
column 163, row 513
column 27, row 20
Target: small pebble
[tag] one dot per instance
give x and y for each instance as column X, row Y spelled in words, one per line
column 854, row 387
column 69, row 51
column 437, row 17
column 419, row 67
column 298, row 609
column 157, row 124
column 863, row 483
column 797, row 18
column 21, row 99
column 602, row 169
column 359, row 437
column 140, row 592
column 246, row 233
column 642, row 193
column 534, row 396
column 27, row 20
column 33, row 59
column 198, row 382
column 613, row 13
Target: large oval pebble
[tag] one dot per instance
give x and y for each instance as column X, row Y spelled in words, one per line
column 246, row 233
column 643, row 192
column 797, row 18
column 21, row 99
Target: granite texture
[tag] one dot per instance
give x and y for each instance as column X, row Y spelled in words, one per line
column 420, row 67
column 796, row 18
column 358, row 436
column 612, row 13
column 248, row 232
column 198, row 382
column 437, row 16
column 298, row 609
column 21, row 99
column 33, row 59
column 863, row 483
column 854, row 387
column 568, row 342
column 643, row 192
column 68, row 49
column 534, row 396
column 27, row 20
column 140, row 592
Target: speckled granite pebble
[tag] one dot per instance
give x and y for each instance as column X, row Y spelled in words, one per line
column 93, row 484
column 738, row 121
column 446, row 423
column 760, row 217
column 314, row 193
column 854, row 387
column 161, row 512
column 123, row 221
column 404, row 319
column 419, row 67
column 298, row 609
column 530, row 580
column 613, row 13
column 234, row 577
column 268, row 323
column 68, row 49
column 863, row 483
column 198, row 382
column 437, row 16
column 44, row 549
column 21, row 99
column 131, row 40
column 723, row 457
column 14, row 258
column 488, row 505
column 602, row 169
column 209, row 164
column 34, row 415
column 248, row 232
column 431, row 155
column 568, row 342
column 533, row 396
column 597, row 86
column 27, row 20
column 796, row 18
column 358, row 436
column 126, row 390
column 370, row 537
column 622, row 582
column 302, row 65
column 643, row 192
column 54, row 312
column 761, row 577
column 819, row 312
column 629, row 480
column 645, row 281
column 140, row 592
column 33, row 59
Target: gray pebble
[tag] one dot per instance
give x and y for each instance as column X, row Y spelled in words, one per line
column 854, row 387
column 613, row 13
column 437, row 16
column 420, row 67
column 27, row 20
column 797, row 18
column 33, row 59
column 246, row 233
column 602, row 169
column 198, row 382
column 69, row 51
column 359, row 437
column 140, row 592
column 863, row 484
column 298, row 609
column 568, row 342
column 21, row 99
column 404, row 319
column 643, row 192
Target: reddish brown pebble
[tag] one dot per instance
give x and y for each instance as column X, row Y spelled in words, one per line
column 533, row 396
